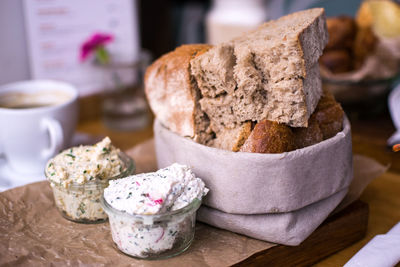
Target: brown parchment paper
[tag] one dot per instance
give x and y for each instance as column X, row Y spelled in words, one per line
column 33, row 233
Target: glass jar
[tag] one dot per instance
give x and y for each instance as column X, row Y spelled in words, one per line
column 81, row 202
column 124, row 104
column 153, row 236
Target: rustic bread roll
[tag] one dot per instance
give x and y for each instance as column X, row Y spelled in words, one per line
column 269, row 137
column 341, row 30
column 173, row 95
column 337, row 61
column 325, row 122
column 270, row 73
column 350, row 43
column 364, row 45
column 329, row 115
column 307, row 136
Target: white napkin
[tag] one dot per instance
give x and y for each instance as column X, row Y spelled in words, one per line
column 394, row 108
column 382, row 251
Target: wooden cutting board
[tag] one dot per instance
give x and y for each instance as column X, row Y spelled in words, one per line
column 336, row 233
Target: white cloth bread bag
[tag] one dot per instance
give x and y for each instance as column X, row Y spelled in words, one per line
column 280, row 198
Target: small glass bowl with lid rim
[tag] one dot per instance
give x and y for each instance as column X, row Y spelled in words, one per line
column 81, row 202
column 156, row 236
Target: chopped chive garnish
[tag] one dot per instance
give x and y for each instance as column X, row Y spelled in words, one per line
column 84, row 171
column 82, row 207
column 70, row 155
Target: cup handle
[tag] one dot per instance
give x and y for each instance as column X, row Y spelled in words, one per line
column 56, row 137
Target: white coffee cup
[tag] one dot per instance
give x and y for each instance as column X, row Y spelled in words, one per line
column 37, row 120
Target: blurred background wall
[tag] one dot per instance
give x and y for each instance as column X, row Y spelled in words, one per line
column 164, row 24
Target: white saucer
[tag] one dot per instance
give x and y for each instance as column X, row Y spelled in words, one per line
column 10, row 178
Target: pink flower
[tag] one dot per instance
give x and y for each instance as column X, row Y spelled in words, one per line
column 96, row 41
column 158, row 201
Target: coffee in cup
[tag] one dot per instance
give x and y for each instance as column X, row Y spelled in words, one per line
column 37, row 120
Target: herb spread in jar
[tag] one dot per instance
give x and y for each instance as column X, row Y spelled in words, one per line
column 79, row 175
column 168, row 189
column 79, row 165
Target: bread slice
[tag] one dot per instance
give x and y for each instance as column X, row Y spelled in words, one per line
column 232, row 139
column 329, row 115
column 324, row 123
column 173, row 95
column 270, row 73
column 307, row 136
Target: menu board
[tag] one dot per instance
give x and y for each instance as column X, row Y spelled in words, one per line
column 56, row 30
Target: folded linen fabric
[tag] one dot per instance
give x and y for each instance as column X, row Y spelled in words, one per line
column 289, row 228
column 254, row 183
column 382, row 250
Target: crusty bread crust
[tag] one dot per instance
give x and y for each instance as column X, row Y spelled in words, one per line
column 170, row 91
column 342, row 30
column 271, row 137
column 329, row 115
column 307, row 136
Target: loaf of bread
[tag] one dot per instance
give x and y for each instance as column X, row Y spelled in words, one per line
column 365, row 42
column 325, row 122
column 258, row 93
column 271, row 72
column 337, row 61
column 329, row 115
column 350, row 43
column 173, row 94
column 342, row 30
column 307, row 136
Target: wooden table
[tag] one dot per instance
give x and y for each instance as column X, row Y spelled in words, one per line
column 369, row 138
